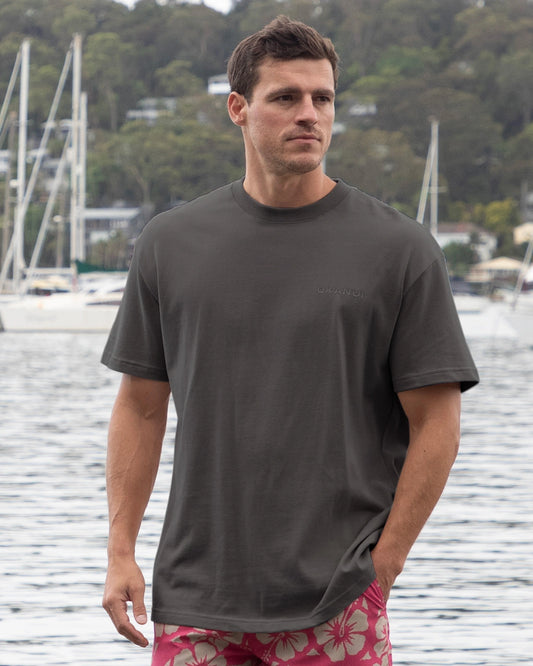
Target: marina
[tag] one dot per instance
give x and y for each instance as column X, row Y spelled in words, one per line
column 463, row 599
column 91, row 308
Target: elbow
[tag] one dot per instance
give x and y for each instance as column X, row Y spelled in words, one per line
column 450, row 442
column 455, row 444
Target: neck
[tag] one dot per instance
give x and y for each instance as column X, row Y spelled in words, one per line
column 289, row 191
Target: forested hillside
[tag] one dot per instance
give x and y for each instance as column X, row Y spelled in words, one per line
column 467, row 63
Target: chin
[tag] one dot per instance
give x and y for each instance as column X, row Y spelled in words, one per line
column 303, row 166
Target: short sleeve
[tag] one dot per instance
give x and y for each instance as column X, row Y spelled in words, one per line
column 135, row 344
column 428, row 345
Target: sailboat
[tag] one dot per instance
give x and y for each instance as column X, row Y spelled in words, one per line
column 92, row 308
column 518, row 307
column 90, row 304
column 481, row 317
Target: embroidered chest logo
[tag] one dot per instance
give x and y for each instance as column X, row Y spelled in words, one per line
column 339, row 291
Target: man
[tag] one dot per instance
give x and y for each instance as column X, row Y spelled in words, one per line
column 308, row 337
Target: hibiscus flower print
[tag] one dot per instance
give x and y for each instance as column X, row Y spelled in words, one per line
column 343, row 635
column 203, row 655
column 218, row 639
column 162, row 629
column 382, row 647
column 285, row 644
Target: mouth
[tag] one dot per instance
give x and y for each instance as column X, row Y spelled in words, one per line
column 304, row 137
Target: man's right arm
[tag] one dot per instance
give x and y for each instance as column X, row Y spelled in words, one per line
column 136, row 432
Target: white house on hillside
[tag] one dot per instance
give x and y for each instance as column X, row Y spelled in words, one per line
column 523, row 233
column 461, row 232
column 218, row 85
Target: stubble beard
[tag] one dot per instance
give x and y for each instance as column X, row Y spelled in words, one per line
column 295, row 164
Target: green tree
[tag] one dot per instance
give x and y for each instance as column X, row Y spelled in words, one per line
column 106, row 67
column 192, row 33
column 484, row 28
column 486, row 67
column 406, row 61
column 515, row 81
column 165, row 162
column 380, row 163
column 112, row 254
column 106, row 179
column 148, row 155
column 177, row 80
column 500, row 217
column 354, row 25
column 470, row 66
column 44, row 81
column 251, row 15
column 518, row 161
column 470, row 140
column 418, row 22
column 73, row 19
column 460, row 257
column 207, row 158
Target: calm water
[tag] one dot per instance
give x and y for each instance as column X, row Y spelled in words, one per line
column 466, row 596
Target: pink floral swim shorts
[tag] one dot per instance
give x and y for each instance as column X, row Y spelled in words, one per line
column 357, row 636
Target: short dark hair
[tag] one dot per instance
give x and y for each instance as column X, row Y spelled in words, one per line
column 282, row 39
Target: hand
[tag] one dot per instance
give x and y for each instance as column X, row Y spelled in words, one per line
column 125, row 583
column 387, row 570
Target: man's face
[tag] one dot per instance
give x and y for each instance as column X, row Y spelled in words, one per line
column 289, row 118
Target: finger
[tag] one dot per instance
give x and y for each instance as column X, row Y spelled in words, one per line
column 132, row 634
column 139, row 609
column 124, row 627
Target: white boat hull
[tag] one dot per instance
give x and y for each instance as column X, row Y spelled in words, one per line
column 482, row 318
column 521, row 319
column 60, row 312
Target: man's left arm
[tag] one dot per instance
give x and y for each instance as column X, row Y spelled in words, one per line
column 433, row 413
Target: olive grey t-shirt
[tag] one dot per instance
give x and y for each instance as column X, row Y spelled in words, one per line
column 285, row 335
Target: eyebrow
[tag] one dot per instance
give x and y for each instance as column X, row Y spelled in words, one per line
column 291, row 90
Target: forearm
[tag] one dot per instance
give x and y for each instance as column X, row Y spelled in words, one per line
column 136, row 434
column 134, row 450
column 423, row 478
column 433, row 446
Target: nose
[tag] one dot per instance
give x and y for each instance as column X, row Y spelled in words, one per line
column 307, row 113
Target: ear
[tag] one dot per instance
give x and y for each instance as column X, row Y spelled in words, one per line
column 237, row 106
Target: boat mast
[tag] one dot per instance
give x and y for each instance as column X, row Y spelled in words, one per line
column 77, row 134
column 82, row 175
column 526, row 263
column 57, row 182
column 9, row 94
column 11, row 127
column 77, row 241
column 434, row 189
column 430, row 184
column 50, row 122
column 18, row 229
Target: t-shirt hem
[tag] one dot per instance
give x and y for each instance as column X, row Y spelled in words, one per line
column 466, row 377
column 134, row 369
column 258, row 625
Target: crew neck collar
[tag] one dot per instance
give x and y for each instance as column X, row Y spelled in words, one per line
column 275, row 215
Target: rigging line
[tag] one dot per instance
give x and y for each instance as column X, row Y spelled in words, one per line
column 9, row 93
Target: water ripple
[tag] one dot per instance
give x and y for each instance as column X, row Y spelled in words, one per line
column 465, row 597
